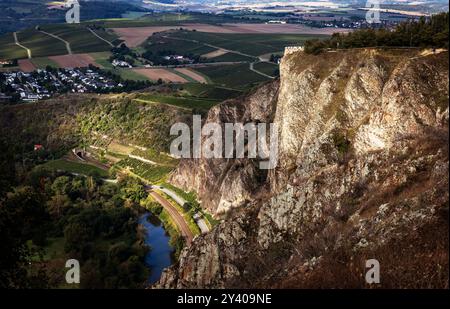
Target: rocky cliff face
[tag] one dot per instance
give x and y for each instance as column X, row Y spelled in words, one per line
column 363, row 174
column 227, row 184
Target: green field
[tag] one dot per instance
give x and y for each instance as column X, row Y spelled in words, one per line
column 128, row 74
column 41, row 45
column 268, row 68
column 183, row 102
column 9, row 50
column 102, row 58
column 237, row 76
column 43, row 62
column 77, row 168
column 254, row 44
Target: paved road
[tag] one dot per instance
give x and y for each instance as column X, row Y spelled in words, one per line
column 16, row 40
column 173, row 212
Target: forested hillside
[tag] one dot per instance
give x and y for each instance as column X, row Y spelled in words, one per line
column 432, row 32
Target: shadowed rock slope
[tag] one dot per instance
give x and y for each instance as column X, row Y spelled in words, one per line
column 363, row 173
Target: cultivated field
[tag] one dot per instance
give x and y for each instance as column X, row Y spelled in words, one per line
column 26, row 65
column 9, row 50
column 40, row 44
column 74, row 61
column 214, row 54
column 134, row 37
column 278, row 28
column 81, row 40
column 165, row 75
column 251, row 44
column 192, row 74
column 43, row 62
column 238, row 76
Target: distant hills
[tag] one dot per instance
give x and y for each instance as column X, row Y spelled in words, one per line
column 21, row 14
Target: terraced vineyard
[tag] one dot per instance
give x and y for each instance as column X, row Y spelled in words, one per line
column 157, row 157
column 80, row 38
column 8, row 48
column 157, row 43
column 41, row 45
column 149, row 172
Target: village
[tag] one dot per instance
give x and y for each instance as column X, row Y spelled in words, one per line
column 43, row 83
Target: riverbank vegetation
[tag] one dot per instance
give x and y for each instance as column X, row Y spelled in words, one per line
column 176, row 239
column 53, row 217
column 193, row 206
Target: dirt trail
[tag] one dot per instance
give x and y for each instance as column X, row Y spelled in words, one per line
column 69, row 49
column 104, row 40
column 16, row 41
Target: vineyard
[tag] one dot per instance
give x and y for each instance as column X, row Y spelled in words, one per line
column 149, row 172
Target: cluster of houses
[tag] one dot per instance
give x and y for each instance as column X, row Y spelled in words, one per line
column 121, row 64
column 29, row 88
column 85, row 80
column 42, row 84
column 179, row 58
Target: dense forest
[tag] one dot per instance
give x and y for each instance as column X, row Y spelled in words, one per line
column 426, row 32
column 53, row 217
column 48, row 217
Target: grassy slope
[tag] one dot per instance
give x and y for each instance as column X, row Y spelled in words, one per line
column 183, row 102
column 74, row 167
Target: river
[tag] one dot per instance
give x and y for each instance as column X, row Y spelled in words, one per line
column 160, row 255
